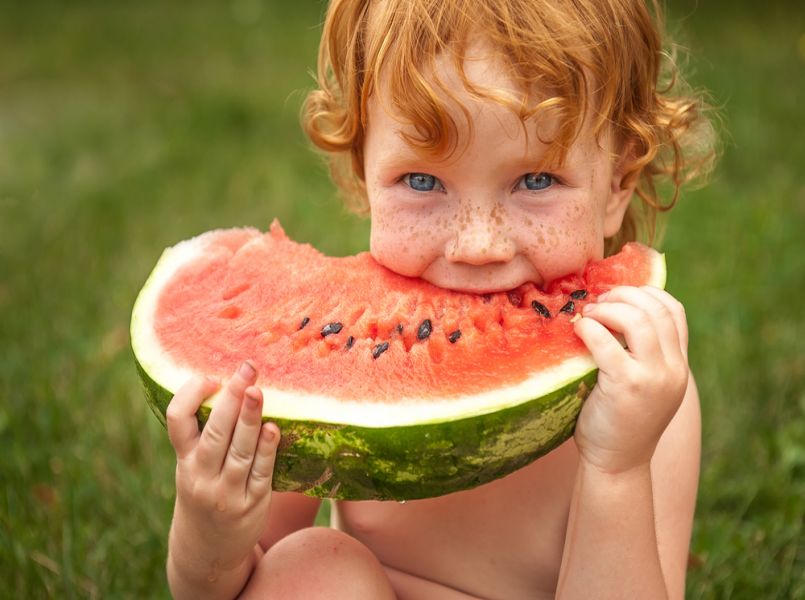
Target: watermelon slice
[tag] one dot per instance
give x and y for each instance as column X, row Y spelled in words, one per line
column 384, row 386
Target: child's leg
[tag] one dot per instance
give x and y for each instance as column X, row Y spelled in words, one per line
column 319, row 563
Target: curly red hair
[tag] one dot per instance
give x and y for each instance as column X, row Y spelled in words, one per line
column 599, row 57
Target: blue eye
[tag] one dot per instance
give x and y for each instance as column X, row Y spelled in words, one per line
column 538, row 181
column 422, row 182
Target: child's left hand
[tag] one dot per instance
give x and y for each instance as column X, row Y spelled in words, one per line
column 639, row 387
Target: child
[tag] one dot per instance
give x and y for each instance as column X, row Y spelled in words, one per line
column 494, row 142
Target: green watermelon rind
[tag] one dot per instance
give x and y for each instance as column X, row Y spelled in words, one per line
column 350, row 462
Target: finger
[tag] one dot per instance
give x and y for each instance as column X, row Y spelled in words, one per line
column 660, row 317
column 240, row 456
column 632, row 322
column 217, row 434
column 181, row 413
column 677, row 310
column 607, row 352
column 262, row 472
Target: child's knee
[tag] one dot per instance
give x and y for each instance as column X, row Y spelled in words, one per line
column 319, row 563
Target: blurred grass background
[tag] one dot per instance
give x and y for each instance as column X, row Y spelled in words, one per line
column 125, row 127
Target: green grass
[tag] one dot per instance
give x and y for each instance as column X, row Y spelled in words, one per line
column 739, row 246
column 125, row 129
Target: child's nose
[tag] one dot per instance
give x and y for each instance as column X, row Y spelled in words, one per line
column 480, row 241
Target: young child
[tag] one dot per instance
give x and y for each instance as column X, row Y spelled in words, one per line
column 494, row 142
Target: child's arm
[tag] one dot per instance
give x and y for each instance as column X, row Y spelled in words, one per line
column 638, row 438
column 223, row 486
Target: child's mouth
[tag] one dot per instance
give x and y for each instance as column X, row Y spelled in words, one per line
column 481, row 279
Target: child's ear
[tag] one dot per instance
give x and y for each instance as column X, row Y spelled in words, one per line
column 622, row 188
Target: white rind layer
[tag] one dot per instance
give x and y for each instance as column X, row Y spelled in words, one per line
column 299, row 406
column 658, row 271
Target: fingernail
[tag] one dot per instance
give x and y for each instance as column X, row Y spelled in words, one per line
column 247, row 371
column 212, row 380
column 268, row 434
column 587, row 308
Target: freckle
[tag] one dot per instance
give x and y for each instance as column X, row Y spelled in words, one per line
column 495, row 214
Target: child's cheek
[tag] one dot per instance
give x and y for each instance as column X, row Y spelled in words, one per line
column 405, row 238
column 563, row 243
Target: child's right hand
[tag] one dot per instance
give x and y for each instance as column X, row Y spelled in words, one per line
column 223, row 474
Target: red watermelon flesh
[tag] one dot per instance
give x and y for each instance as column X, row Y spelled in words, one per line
column 269, row 299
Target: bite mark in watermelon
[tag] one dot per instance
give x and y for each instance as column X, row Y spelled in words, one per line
column 383, row 386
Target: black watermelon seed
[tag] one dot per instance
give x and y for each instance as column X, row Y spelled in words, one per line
column 541, row 309
column 454, row 336
column 424, row 331
column 331, row 328
column 568, row 308
column 399, row 328
column 350, row 341
column 579, row 294
column 304, row 322
column 379, row 349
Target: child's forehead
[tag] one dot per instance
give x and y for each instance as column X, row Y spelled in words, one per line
column 483, row 127
column 478, row 82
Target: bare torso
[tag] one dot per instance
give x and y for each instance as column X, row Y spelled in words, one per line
column 500, row 540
